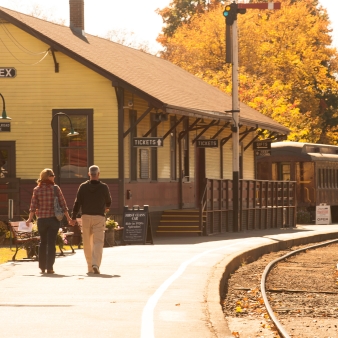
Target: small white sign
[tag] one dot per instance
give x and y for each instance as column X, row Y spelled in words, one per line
column 23, row 227
column 323, row 214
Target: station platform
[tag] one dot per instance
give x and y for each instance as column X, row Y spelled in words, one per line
column 168, row 289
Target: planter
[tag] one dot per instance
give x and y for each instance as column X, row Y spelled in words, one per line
column 2, row 239
column 109, row 237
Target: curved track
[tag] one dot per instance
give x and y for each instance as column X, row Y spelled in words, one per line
column 280, row 328
column 288, row 293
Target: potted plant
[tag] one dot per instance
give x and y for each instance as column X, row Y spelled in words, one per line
column 111, row 225
column 4, row 232
column 61, row 239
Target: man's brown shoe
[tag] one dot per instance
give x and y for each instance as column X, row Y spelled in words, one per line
column 50, row 271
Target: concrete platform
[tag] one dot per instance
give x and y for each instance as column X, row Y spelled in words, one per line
column 169, row 289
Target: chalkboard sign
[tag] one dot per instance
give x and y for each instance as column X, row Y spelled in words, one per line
column 135, row 224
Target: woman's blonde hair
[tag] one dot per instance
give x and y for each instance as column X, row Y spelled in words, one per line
column 45, row 173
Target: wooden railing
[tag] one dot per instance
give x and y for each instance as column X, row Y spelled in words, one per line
column 9, row 189
column 262, row 205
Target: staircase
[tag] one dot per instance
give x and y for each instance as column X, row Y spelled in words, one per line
column 179, row 222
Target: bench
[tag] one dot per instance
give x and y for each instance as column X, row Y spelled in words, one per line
column 24, row 239
column 67, row 235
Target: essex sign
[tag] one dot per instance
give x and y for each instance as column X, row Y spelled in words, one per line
column 7, row 72
column 207, row 143
column 4, row 126
column 148, row 141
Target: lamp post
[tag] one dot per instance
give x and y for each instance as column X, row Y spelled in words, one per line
column 72, row 133
column 4, row 115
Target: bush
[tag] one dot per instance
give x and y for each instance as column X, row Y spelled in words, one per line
column 303, row 217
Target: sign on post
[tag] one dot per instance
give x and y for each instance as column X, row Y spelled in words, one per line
column 262, row 152
column 262, row 145
column 207, row 143
column 148, row 141
column 136, row 225
column 323, row 214
column 5, row 126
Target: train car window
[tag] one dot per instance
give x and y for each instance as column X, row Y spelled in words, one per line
column 306, row 184
column 330, row 178
column 327, row 178
column 285, row 171
column 320, row 178
column 263, row 170
column 274, row 172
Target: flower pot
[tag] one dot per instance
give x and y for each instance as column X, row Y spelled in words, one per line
column 110, row 237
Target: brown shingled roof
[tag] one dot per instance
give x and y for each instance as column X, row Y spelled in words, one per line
column 164, row 84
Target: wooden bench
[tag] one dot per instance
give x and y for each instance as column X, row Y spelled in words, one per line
column 24, row 239
column 68, row 235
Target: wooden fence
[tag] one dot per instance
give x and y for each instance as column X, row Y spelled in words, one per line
column 262, row 205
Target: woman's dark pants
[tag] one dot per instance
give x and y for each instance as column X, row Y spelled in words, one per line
column 48, row 229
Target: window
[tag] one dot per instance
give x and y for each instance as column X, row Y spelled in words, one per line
column 285, row 171
column 186, row 149
column 144, row 163
column 133, row 150
column 72, row 155
column 153, row 150
column 320, row 178
column 173, row 175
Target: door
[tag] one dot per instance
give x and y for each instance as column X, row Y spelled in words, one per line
column 7, row 159
column 7, row 176
column 200, row 174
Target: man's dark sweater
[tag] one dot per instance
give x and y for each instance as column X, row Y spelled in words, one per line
column 93, row 197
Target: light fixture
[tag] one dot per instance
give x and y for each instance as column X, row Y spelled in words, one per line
column 4, row 115
column 130, row 105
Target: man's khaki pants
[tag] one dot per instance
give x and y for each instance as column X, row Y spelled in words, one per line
column 93, row 227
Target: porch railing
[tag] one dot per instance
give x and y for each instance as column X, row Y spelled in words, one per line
column 262, row 205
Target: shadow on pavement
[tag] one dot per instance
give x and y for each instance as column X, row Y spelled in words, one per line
column 102, row 275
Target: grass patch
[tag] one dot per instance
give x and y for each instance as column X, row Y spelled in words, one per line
column 6, row 253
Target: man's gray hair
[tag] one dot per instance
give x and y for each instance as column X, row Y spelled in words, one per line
column 94, row 170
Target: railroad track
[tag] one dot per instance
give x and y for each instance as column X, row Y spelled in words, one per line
column 286, row 294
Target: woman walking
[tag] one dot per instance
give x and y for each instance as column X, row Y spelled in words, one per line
column 42, row 204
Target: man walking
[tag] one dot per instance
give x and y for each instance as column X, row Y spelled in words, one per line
column 94, row 199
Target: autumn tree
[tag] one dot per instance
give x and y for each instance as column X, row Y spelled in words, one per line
column 287, row 66
column 181, row 12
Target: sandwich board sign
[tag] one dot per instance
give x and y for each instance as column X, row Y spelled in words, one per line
column 136, row 225
column 323, row 214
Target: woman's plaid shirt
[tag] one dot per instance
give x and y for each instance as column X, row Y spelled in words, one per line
column 42, row 202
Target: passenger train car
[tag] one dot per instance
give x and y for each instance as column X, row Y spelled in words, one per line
column 313, row 166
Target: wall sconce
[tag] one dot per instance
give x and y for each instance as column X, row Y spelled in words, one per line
column 130, row 105
column 4, row 115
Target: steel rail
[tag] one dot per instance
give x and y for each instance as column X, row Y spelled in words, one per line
column 281, row 330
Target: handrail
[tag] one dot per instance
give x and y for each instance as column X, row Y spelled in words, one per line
column 202, row 206
column 307, row 194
